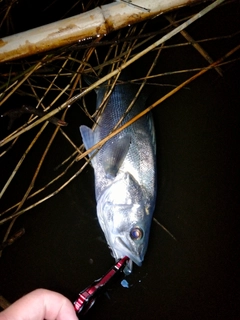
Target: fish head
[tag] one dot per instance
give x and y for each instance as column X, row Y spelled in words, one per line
column 124, row 218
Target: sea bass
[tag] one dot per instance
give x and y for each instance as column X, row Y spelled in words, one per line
column 125, row 173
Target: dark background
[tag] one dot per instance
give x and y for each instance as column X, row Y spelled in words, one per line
column 194, row 277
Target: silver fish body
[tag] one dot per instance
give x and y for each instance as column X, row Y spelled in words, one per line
column 125, row 174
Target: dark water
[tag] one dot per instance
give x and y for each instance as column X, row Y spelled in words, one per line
column 194, row 277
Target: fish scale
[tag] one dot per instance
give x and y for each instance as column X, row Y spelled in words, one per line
column 125, row 173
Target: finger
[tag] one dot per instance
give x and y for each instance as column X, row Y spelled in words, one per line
column 38, row 305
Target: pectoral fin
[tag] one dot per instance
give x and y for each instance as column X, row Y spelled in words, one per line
column 115, row 154
column 87, row 137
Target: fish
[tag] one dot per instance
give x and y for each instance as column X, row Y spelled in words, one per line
column 124, row 172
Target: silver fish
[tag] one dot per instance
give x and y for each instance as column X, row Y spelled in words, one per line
column 125, row 173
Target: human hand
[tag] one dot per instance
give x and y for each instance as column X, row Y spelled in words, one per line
column 40, row 304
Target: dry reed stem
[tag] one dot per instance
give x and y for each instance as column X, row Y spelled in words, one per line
column 164, row 228
column 74, row 80
column 27, row 75
column 9, row 148
column 195, row 45
column 123, row 127
column 52, row 83
column 31, row 184
column 70, row 101
column 139, row 90
column 172, row 92
column 45, row 198
column 21, row 160
column 59, row 175
column 33, row 179
column 27, row 193
column 38, row 169
column 47, row 185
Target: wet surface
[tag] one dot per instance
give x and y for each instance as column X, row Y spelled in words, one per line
column 194, row 277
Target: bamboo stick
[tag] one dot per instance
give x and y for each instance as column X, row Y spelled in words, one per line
column 94, row 23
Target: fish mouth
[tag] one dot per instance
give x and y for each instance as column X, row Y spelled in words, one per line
column 123, row 250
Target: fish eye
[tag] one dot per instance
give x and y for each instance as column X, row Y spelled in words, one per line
column 136, row 233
